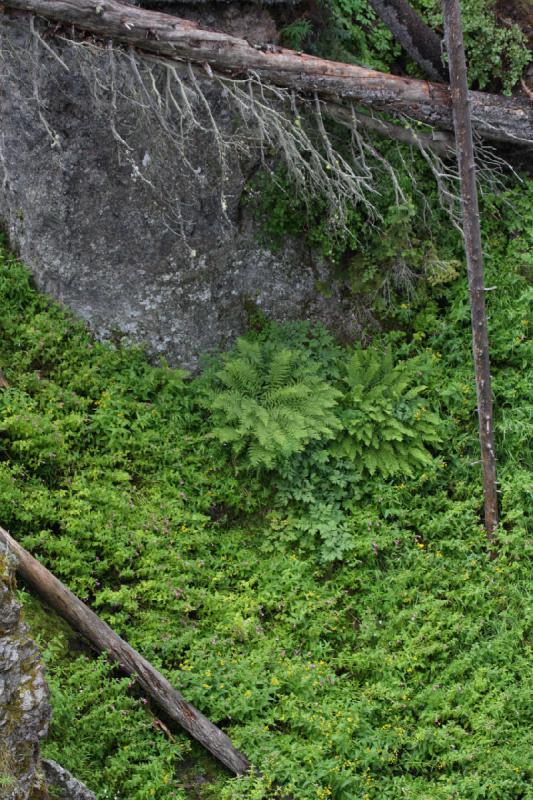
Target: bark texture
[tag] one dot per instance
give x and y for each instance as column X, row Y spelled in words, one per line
column 474, row 255
column 416, row 38
column 104, row 639
column 493, row 116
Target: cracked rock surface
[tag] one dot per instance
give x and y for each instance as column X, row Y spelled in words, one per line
column 140, row 240
column 24, row 708
column 64, row 784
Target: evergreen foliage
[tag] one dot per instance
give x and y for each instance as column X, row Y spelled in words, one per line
column 350, row 30
column 269, row 403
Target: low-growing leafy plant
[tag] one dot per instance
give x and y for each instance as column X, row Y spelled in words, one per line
column 114, row 728
column 295, row 33
column 268, row 403
column 386, row 425
column 496, row 49
column 400, row 670
column 313, row 492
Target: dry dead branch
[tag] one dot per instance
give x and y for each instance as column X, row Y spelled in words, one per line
column 494, row 116
column 105, row 640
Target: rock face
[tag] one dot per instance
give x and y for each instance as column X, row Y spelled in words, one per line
column 64, row 785
column 24, row 709
column 141, row 231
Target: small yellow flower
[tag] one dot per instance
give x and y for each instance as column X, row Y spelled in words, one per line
column 274, row 682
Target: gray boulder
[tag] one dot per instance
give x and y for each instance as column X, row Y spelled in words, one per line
column 142, row 236
column 64, row 785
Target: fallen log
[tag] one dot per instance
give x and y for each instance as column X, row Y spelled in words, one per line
column 494, row 117
column 105, row 640
column 416, row 38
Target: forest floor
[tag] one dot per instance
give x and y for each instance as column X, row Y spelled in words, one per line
column 353, row 638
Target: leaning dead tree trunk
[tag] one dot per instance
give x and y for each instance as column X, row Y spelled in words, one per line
column 474, row 256
column 416, row 38
column 105, row 640
column 494, row 117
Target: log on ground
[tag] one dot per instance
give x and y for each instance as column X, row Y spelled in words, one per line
column 105, row 640
column 494, row 117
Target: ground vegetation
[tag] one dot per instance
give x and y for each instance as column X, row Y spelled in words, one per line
column 342, row 621
column 324, row 594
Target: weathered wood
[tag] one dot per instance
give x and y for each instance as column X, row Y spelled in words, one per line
column 494, row 117
column 105, row 640
column 416, row 38
column 439, row 142
column 474, row 255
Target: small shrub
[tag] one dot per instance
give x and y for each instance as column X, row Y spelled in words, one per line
column 386, row 423
column 268, row 403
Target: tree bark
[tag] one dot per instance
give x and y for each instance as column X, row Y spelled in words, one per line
column 474, row 256
column 105, row 640
column 495, row 117
column 417, row 39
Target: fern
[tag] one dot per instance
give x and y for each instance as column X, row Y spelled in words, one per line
column 268, row 403
column 296, row 33
column 386, row 423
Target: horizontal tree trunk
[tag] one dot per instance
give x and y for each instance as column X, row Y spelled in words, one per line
column 105, row 640
column 440, row 142
column 494, row 117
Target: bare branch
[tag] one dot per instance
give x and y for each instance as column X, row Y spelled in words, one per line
column 494, row 116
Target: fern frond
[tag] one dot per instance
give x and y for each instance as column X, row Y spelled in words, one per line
column 385, row 425
column 270, row 403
